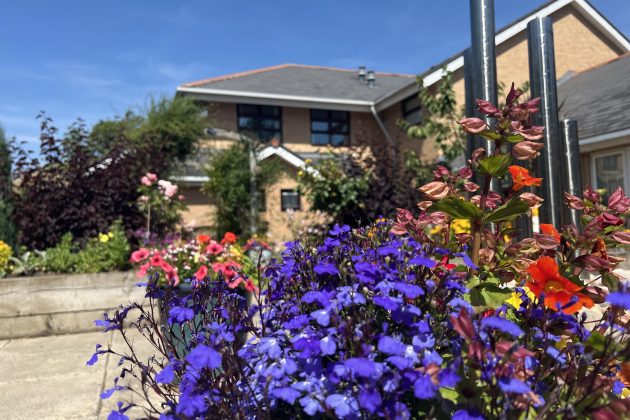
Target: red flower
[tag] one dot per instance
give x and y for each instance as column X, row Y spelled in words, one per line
column 228, row 238
column 549, row 230
column 558, row 290
column 522, row 178
column 201, row 273
column 203, row 239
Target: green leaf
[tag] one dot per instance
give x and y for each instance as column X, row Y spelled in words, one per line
column 449, row 394
column 515, row 138
column 496, row 165
column 491, row 135
column 509, row 211
column 488, row 294
column 457, row 209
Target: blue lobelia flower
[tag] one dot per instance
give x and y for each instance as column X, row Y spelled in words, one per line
column 409, row 290
column 423, row 341
column 203, row 356
column 389, row 345
column 504, row 325
column 342, row 404
column 423, row 261
column 348, row 295
column 270, row 346
column 326, row 269
column 179, row 315
column 286, row 394
column 448, row 378
column 388, row 251
column 94, row 357
column 339, row 230
column 423, row 387
column 556, row 354
column 328, row 346
column 361, row 367
column 108, row 392
column 310, row 405
column 322, row 317
column 619, row 299
column 323, row 298
column 191, row 405
column 370, row 399
column 119, row 414
column 166, row 376
column 467, row 415
column 512, row 385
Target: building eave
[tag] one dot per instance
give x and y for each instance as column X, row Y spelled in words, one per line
column 604, row 141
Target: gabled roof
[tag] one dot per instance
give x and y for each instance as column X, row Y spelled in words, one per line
column 301, row 83
column 331, row 88
column 599, row 99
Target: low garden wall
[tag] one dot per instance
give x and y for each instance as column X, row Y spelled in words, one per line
column 63, row 303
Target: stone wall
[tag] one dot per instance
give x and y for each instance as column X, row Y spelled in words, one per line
column 63, row 303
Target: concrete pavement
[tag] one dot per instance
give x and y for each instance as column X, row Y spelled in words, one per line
column 47, row 377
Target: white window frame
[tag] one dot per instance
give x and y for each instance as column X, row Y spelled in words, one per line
column 625, row 157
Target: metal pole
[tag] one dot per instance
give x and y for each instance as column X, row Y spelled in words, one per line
column 469, row 89
column 484, row 60
column 572, row 179
column 253, row 211
column 542, row 76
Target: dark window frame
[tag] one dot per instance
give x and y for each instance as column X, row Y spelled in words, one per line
column 299, row 199
column 408, row 112
column 329, row 120
column 259, row 114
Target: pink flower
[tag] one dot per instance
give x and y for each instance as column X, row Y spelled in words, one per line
column 168, row 189
column 145, row 181
column 152, row 177
column 156, row 261
column 250, row 286
column 473, row 125
column 201, row 273
column 139, row 255
column 148, row 179
column 181, row 198
column 142, row 270
column 214, row 248
column 226, row 269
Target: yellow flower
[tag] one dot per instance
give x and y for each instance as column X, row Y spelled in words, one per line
column 300, row 173
column 515, row 300
column 110, row 234
column 625, row 393
column 5, row 253
column 435, row 230
column 308, row 161
column 103, row 237
column 535, row 212
column 460, row 226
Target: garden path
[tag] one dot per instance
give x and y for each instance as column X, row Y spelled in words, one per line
column 47, row 377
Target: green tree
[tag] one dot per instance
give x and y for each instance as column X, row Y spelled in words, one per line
column 7, row 229
column 229, row 188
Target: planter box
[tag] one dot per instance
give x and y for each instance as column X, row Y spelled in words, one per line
column 62, row 303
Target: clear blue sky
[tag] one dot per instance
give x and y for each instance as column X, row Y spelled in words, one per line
column 96, row 59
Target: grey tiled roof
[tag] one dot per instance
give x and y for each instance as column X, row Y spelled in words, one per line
column 599, row 98
column 309, row 81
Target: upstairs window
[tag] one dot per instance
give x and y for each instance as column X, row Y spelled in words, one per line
column 289, row 200
column 261, row 121
column 411, row 110
column 330, row 127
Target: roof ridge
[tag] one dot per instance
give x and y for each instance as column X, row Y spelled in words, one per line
column 283, row 66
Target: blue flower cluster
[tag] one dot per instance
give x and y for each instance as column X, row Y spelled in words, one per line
column 365, row 325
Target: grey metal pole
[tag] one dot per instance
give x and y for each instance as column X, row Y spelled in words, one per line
column 469, row 89
column 572, row 179
column 542, row 76
column 484, row 60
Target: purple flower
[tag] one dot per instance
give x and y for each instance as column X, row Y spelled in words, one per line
column 270, row 347
column 448, row 378
column 467, row 415
column 619, row 299
column 504, row 325
column 203, row 356
column 166, row 376
column 189, row 405
column 339, row 230
column 409, row 290
column 390, row 304
column 286, row 394
column 326, row 269
column 328, row 346
column 361, row 367
column 512, row 385
column 388, row 250
column 556, row 354
column 423, row 261
column 389, row 345
column 322, row 317
column 94, row 357
column 323, row 298
column 310, row 405
column 424, row 388
column 370, row 399
column 342, row 404
column 108, row 392
column 180, row 315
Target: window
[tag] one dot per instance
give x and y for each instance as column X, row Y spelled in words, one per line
column 264, row 122
column 289, row 200
column 608, row 172
column 330, row 127
column 411, row 110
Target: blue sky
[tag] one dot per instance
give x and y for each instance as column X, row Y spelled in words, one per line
column 95, row 60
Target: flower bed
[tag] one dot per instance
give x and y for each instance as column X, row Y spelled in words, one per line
column 422, row 317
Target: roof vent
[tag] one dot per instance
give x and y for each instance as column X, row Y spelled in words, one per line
column 362, row 73
column 371, row 78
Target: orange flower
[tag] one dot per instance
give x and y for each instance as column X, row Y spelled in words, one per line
column 546, row 279
column 548, row 229
column 522, row 178
column 203, row 239
column 228, row 238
